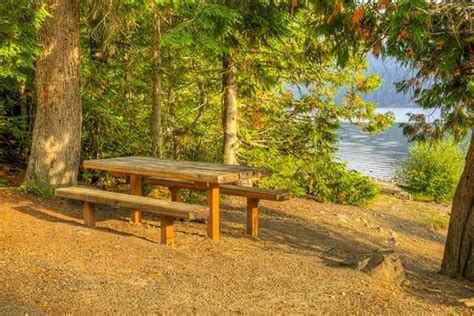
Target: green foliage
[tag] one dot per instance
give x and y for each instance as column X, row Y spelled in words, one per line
column 330, row 181
column 19, row 22
column 295, row 136
column 39, row 188
column 290, row 132
column 432, row 171
column 441, row 54
column 434, row 38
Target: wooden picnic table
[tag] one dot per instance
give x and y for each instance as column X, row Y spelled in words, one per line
column 208, row 174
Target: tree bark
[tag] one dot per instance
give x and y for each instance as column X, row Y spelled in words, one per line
column 56, row 143
column 458, row 259
column 23, row 106
column 229, row 110
column 156, row 107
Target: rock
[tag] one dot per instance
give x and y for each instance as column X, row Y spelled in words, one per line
column 403, row 195
column 391, row 188
column 382, row 265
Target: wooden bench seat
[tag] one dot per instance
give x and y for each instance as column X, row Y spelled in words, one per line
column 253, row 195
column 168, row 210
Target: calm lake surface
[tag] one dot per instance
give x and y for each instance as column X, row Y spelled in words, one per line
column 376, row 156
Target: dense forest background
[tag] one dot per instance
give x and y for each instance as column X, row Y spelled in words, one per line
column 266, row 47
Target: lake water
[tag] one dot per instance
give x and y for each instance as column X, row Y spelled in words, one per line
column 377, row 155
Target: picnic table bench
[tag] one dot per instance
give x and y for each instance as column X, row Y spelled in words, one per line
column 168, row 210
column 214, row 178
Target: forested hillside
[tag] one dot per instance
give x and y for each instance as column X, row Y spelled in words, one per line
column 390, row 71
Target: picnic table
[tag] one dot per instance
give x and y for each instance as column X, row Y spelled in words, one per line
column 204, row 174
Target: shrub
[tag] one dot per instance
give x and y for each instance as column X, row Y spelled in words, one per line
column 39, row 188
column 432, row 170
column 321, row 178
column 330, row 181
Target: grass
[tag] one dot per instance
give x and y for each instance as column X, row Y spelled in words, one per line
column 431, row 217
column 426, row 213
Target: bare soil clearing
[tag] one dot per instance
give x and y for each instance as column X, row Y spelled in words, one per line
column 50, row 262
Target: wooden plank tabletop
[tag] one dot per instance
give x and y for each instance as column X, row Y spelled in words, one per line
column 177, row 169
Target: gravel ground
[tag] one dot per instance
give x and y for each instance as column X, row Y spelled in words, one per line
column 52, row 264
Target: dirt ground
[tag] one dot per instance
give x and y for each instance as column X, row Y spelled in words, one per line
column 50, row 263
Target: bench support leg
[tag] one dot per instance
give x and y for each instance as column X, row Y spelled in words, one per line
column 89, row 213
column 136, row 189
column 175, row 194
column 167, row 230
column 252, row 216
column 213, row 203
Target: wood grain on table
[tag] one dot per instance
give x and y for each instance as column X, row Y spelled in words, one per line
column 177, row 169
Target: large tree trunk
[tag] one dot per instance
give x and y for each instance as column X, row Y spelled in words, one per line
column 156, row 107
column 229, row 110
column 23, row 106
column 56, row 143
column 458, row 260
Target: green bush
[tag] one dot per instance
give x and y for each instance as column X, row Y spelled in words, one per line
column 321, row 178
column 330, row 181
column 432, row 170
column 39, row 188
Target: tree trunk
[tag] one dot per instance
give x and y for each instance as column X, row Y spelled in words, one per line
column 23, row 106
column 458, row 259
column 229, row 110
column 56, row 144
column 156, row 107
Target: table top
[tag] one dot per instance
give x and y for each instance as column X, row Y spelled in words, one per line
column 177, row 169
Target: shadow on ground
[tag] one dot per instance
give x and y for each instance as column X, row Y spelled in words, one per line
column 286, row 232
column 289, row 232
column 29, row 210
column 8, row 308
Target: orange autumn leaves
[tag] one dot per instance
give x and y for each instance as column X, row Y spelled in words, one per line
column 358, row 16
column 337, row 10
column 361, row 29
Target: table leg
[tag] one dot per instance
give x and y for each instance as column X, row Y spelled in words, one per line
column 175, row 194
column 252, row 216
column 136, row 189
column 213, row 203
column 167, row 230
column 89, row 213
